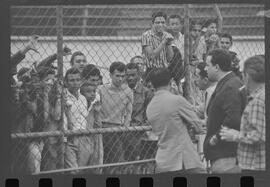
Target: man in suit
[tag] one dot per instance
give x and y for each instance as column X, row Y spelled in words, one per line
column 224, row 110
column 170, row 115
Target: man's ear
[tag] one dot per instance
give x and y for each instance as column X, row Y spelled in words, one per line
column 217, row 67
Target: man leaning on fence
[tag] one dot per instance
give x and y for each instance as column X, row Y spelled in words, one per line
column 75, row 119
column 170, row 115
column 142, row 97
column 116, row 109
column 156, row 43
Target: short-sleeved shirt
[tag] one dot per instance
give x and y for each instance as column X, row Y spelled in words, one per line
column 78, row 111
column 149, row 38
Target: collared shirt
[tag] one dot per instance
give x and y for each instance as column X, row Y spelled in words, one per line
column 142, row 97
column 251, row 147
column 149, row 38
column 116, row 104
column 179, row 43
column 208, row 93
column 78, row 111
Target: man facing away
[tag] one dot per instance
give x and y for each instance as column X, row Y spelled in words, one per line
column 170, row 115
column 224, row 109
column 251, row 137
column 116, row 109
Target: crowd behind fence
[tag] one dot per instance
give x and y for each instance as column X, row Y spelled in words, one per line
column 40, row 134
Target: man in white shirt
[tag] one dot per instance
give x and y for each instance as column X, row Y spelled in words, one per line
column 75, row 119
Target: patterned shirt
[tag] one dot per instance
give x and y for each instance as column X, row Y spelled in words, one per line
column 251, row 147
column 149, row 38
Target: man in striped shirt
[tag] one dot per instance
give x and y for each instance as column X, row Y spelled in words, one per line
column 156, row 43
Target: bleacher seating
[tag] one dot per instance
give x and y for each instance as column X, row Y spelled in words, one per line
column 127, row 20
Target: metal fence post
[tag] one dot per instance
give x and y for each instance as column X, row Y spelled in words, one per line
column 187, row 86
column 59, row 14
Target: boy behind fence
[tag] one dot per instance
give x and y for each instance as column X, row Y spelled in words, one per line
column 88, row 89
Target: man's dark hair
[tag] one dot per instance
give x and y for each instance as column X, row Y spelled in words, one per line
column 119, row 66
column 77, row 53
column 254, row 66
column 222, row 58
column 195, row 22
column 158, row 14
column 86, row 84
column 45, row 71
column 209, row 22
column 90, row 70
column 160, row 77
column 201, row 67
column 133, row 58
column 173, row 16
column 226, row 35
column 71, row 71
column 132, row 65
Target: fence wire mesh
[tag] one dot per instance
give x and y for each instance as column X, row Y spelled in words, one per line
column 99, row 35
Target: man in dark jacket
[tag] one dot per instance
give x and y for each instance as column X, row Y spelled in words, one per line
column 224, row 109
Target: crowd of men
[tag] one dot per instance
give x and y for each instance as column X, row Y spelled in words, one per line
column 227, row 105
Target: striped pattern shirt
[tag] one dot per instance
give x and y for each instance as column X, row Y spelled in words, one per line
column 251, row 147
column 149, row 38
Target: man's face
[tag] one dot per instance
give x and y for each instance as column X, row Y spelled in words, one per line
column 49, row 79
column 159, row 24
column 201, row 82
column 140, row 63
column 196, row 31
column 79, row 62
column 212, row 28
column 211, row 69
column 94, row 80
column 132, row 77
column 73, row 82
column 175, row 25
column 225, row 43
column 117, row 78
column 89, row 92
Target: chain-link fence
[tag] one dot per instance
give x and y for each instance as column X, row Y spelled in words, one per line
column 53, row 130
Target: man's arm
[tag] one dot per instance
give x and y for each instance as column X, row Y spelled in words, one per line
column 256, row 132
column 128, row 109
column 189, row 116
column 153, row 53
column 148, row 97
column 169, row 53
